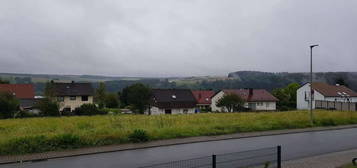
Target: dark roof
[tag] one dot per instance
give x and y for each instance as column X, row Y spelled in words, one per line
column 20, row 91
column 333, row 90
column 203, row 96
column 259, row 95
column 173, row 98
column 73, row 89
column 28, row 103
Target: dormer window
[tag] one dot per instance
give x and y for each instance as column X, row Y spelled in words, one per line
column 174, row 96
column 207, row 99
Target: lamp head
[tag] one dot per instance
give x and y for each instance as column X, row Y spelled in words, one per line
column 312, row 46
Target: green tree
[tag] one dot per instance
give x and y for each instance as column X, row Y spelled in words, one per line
column 341, row 81
column 48, row 107
column 88, row 109
column 100, row 95
column 49, row 91
column 4, row 81
column 231, row 102
column 137, row 96
column 286, row 96
column 9, row 105
column 111, row 100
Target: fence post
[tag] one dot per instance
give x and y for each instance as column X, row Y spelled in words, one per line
column 214, row 161
column 279, row 157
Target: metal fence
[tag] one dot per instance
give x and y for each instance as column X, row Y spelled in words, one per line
column 262, row 158
column 334, row 105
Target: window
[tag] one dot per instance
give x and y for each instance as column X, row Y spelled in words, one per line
column 72, row 98
column 260, row 103
column 60, row 99
column 84, row 98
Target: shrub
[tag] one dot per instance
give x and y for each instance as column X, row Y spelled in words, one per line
column 8, row 105
column 48, row 107
column 111, row 100
column 138, row 136
column 66, row 141
column 23, row 145
column 88, row 109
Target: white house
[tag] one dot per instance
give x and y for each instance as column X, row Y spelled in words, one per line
column 172, row 101
column 72, row 95
column 255, row 99
column 325, row 92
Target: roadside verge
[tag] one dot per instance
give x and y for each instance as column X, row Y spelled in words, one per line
column 122, row 147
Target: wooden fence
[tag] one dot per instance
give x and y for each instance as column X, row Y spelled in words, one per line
column 334, row 105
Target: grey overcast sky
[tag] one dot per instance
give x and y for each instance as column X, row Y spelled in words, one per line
column 176, row 37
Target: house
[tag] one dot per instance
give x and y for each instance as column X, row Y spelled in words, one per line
column 172, row 101
column 25, row 93
column 255, row 99
column 323, row 92
column 203, row 98
column 72, row 95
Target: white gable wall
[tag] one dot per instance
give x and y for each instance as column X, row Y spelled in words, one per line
column 303, row 104
column 157, row 111
column 214, row 100
column 259, row 106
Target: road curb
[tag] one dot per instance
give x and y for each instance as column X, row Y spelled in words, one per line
column 122, row 147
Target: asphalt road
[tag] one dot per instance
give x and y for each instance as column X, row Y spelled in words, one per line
column 294, row 146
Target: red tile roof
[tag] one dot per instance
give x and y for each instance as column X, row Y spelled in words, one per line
column 21, row 91
column 203, row 96
column 259, row 95
column 333, row 90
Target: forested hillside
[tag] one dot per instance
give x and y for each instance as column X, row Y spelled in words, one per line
column 240, row 79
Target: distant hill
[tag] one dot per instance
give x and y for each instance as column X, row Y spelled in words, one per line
column 234, row 80
column 283, row 78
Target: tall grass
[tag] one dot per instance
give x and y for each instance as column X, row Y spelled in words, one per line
column 21, row 136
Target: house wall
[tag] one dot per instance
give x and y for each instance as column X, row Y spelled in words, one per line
column 303, row 104
column 73, row 104
column 261, row 106
column 157, row 111
column 215, row 99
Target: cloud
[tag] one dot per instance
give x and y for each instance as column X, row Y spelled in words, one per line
column 175, row 37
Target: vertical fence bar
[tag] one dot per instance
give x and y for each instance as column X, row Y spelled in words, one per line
column 214, row 164
column 279, row 157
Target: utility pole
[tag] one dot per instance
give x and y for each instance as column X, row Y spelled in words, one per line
column 311, row 90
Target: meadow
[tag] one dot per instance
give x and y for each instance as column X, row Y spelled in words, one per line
column 33, row 135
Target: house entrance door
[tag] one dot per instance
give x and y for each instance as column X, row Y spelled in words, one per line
column 168, row 111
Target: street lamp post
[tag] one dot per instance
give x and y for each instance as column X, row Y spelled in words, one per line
column 311, row 90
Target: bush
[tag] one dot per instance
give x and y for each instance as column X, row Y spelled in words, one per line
column 27, row 144
column 66, row 141
column 48, row 107
column 138, row 136
column 8, row 105
column 88, row 109
column 112, row 101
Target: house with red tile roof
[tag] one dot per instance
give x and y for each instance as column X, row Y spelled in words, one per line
column 255, row 99
column 323, row 92
column 24, row 92
column 20, row 91
column 203, row 98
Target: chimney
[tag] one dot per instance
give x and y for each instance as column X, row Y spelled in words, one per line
column 250, row 91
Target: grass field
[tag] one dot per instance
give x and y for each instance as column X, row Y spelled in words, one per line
column 31, row 135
